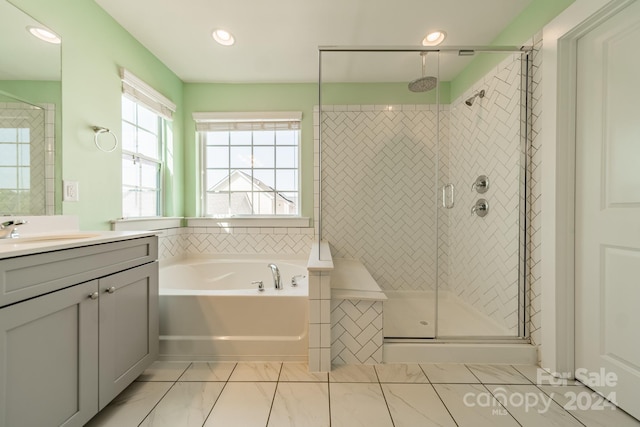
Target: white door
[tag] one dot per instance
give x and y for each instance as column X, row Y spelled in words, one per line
column 608, row 209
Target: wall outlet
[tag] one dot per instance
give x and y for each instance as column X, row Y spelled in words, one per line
column 70, row 191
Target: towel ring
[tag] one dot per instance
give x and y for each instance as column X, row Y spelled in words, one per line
column 100, row 130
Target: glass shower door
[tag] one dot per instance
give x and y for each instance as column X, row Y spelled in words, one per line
column 379, row 178
column 483, row 156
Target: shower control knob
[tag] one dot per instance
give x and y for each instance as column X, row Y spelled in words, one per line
column 481, row 185
column 481, row 208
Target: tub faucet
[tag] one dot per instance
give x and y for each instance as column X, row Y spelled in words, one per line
column 9, row 229
column 276, row 276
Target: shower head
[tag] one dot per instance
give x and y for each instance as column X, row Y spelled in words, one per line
column 479, row 94
column 423, row 84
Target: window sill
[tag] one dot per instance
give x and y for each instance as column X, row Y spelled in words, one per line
column 250, row 222
column 148, row 223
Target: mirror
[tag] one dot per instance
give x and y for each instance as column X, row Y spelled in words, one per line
column 30, row 107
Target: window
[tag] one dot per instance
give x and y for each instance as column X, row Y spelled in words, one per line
column 250, row 163
column 145, row 130
column 142, row 135
column 15, row 169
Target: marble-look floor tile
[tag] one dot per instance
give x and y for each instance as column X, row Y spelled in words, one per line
column 353, row 374
column 187, row 404
column 245, row 404
column 472, row 405
column 531, row 407
column 299, row 404
column 358, row 405
column 300, row 372
column 416, row 405
column 400, row 373
column 599, row 414
column 539, row 376
column 208, row 371
column 164, row 371
column 131, row 406
column 449, row 373
column 498, row 374
column 256, row 371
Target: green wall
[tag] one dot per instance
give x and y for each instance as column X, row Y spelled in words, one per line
column 94, row 46
column 531, row 20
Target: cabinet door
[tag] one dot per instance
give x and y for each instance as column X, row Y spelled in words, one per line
column 48, row 359
column 128, row 328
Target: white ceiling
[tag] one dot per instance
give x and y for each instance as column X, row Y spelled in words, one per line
column 277, row 40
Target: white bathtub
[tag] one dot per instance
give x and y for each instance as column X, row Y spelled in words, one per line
column 210, row 310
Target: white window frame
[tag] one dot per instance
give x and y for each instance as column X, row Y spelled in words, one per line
column 143, row 95
column 230, row 121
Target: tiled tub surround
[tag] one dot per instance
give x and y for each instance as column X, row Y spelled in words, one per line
column 184, row 241
column 319, row 267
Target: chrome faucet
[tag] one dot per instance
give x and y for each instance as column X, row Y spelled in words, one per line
column 277, row 283
column 9, row 229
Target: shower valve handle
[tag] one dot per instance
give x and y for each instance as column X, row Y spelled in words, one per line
column 481, row 208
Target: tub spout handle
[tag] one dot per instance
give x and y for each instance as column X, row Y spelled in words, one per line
column 260, row 285
column 294, row 279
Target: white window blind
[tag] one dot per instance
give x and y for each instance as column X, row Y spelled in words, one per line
column 278, row 120
column 140, row 92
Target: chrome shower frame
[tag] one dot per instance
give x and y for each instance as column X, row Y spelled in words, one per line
column 524, row 175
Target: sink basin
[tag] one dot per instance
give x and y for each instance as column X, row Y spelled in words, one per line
column 49, row 238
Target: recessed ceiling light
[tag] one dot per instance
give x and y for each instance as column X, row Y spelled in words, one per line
column 434, row 38
column 223, row 37
column 44, row 34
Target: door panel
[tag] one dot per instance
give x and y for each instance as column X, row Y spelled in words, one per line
column 608, row 208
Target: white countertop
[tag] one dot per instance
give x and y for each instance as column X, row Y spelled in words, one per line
column 30, row 244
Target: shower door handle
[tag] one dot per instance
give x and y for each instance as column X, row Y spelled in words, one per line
column 448, row 204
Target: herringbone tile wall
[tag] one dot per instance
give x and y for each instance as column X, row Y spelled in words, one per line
column 356, row 332
column 41, row 162
column 485, row 140
column 179, row 242
column 379, row 194
column 535, row 208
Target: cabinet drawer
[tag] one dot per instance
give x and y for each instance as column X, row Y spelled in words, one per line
column 32, row 275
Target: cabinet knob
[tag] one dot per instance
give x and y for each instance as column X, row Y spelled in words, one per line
column 111, row 290
column 94, row 295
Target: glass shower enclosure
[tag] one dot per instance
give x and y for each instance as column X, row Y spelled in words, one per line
column 422, row 167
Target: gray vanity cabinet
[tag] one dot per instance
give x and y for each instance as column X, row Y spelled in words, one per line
column 67, row 352
column 49, row 359
column 128, row 339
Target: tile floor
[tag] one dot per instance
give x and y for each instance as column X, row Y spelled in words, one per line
column 271, row 394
